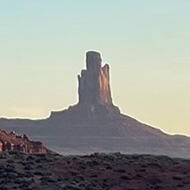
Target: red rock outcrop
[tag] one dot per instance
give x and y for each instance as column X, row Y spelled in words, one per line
column 14, row 142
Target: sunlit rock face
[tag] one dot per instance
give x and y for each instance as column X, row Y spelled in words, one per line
column 94, row 83
column 94, row 87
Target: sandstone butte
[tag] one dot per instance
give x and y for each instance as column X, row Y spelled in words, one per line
column 95, row 124
column 94, row 94
column 94, row 86
column 14, row 142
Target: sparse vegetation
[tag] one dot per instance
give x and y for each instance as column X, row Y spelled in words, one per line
column 94, row 172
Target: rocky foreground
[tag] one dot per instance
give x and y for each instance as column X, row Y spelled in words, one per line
column 92, row 172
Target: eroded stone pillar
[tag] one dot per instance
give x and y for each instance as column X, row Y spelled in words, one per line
column 94, row 82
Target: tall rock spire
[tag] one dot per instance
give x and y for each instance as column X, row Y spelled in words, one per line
column 94, row 82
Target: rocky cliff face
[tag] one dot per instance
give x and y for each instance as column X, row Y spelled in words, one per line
column 94, row 87
column 14, row 142
column 94, row 83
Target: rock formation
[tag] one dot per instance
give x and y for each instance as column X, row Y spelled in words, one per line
column 14, row 142
column 94, row 83
column 94, row 92
column 96, row 124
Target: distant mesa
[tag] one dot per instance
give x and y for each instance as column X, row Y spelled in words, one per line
column 95, row 124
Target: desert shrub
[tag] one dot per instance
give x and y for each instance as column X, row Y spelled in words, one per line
column 18, row 156
column 2, row 167
column 143, row 166
column 2, row 156
column 105, row 180
column 125, row 177
column 83, row 167
column 142, row 170
column 94, row 185
column 19, row 181
column 59, row 179
column 46, row 179
column 74, row 173
column 180, row 185
column 158, row 187
column 30, row 158
column 23, row 163
column 27, row 167
column 120, row 170
column 139, row 176
column 24, row 187
column 9, row 169
column 38, row 173
column 92, row 163
column 65, row 179
column 10, row 161
column 104, row 185
column 93, row 176
column 38, row 160
column 177, row 178
column 72, row 187
column 28, row 174
column 39, row 167
column 155, row 181
column 12, row 176
column 14, row 152
column 109, row 168
column 81, row 178
column 40, row 155
column 4, row 188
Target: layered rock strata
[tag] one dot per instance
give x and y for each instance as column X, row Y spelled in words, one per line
column 14, row 142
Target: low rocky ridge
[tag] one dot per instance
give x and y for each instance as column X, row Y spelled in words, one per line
column 114, row 171
column 14, row 142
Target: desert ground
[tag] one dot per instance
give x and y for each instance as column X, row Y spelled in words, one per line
column 97, row 171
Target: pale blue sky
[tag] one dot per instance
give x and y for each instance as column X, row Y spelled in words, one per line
column 146, row 43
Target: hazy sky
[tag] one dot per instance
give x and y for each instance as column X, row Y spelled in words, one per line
column 146, row 43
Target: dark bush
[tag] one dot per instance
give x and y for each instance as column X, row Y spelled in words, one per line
column 27, row 167
column 120, row 170
column 47, row 179
column 177, row 178
column 4, row 188
column 109, row 168
column 125, row 177
column 38, row 173
column 10, row 161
